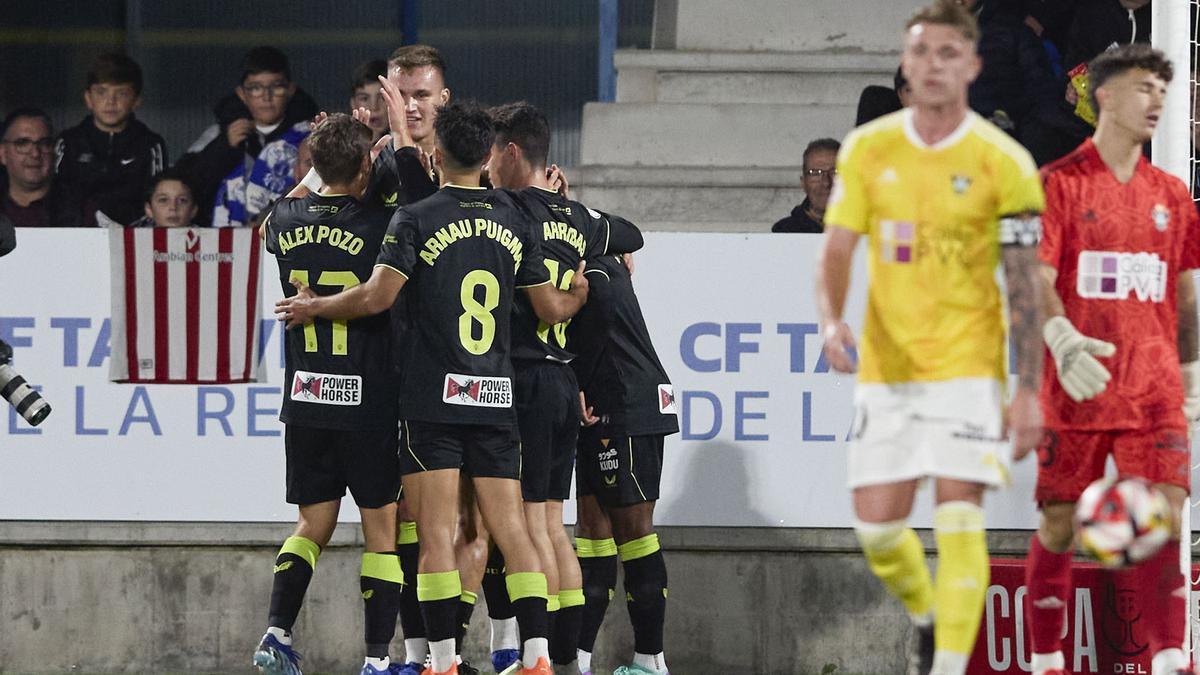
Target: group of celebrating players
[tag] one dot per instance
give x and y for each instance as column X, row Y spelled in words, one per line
column 456, row 320
column 497, row 327
column 1098, row 252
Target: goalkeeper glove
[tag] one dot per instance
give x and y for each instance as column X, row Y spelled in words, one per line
column 1191, row 391
column 1081, row 375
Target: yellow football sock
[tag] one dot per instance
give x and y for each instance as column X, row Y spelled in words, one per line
column 962, row 575
column 896, row 556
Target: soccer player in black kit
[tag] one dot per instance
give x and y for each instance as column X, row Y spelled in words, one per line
column 547, row 394
column 464, row 251
column 340, row 404
column 630, row 409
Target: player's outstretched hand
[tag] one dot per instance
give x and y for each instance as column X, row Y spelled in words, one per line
column 379, row 146
column 317, row 120
column 839, row 347
column 1024, row 422
column 1081, row 375
column 397, row 116
column 586, row 418
column 298, row 309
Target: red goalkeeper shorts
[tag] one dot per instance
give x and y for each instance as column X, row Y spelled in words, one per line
column 1069, row 461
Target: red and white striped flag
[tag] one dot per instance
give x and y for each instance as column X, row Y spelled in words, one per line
column 185, row 305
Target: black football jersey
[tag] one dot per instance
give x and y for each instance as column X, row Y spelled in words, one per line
column 338, row 373
column 465, row 252
column 617, row 368
column 397, row 178
column 569, row 232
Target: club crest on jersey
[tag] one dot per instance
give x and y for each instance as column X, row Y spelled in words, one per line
column 960, row 183
column 480, row 392
column 666, row 399
column 1109, row 275
column 1161, row 217
column 326, row 389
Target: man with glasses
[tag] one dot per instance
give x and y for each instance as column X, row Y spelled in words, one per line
column 816, row 179
column 29, row 197
column 245, row 162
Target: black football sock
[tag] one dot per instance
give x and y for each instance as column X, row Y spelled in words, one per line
column 381, row 581
column 598, row 562
column 645, row 592
column 293, row 570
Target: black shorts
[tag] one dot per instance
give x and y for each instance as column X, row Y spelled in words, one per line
column 547, row 398
column 322, row 463
column 479, row 450
column 619, row 471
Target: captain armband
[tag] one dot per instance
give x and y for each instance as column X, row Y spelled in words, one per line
column 1023, row 230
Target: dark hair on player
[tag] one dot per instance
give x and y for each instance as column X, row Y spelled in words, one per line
column 947, row 13
column 26, row 111
column 464, row 133
column 338, row 146
column 163, row 176
column 1123, row 59
column 829, row 144
column 115, row 68
column 265, row 60
column 367, row 73
column 523, row 124
column 410, row 57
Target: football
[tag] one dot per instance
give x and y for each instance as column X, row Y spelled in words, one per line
column 1122, row 522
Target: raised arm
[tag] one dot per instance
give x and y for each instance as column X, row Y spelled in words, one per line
column 833, row 283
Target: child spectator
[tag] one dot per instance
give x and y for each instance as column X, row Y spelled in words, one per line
column 106, row 161
column 243, row 163
column 169, row 203
column 365, row 93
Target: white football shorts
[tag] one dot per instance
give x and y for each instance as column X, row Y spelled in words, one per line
column 948, row 429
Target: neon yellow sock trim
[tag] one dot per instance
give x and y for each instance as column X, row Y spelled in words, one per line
column 962, row 576
column 439, row 586
column 468, row 597
column 638, row 548
column 898, row 560
column 406, row 533
column 526, row 585
column 383, row 566
column 552, row 603
column 303, row 547
column 570, row 597
column 595, row 548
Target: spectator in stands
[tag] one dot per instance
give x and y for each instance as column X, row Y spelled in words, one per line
column 876, row 100
column 246, row 161
column 168, row 203
column 1097, row 26
column 365, row 93
column 31, row 197
column 106, row 161
column 1016, row 89
column 816, row 179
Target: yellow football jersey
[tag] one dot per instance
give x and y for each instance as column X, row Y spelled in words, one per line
column 930, row 213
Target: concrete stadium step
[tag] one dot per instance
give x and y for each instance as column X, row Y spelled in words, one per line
column 692, row 199
column 830, row 78
column 783, row 25
column 692, row 134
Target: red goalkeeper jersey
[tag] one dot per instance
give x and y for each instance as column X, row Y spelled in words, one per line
column 1118, row 249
